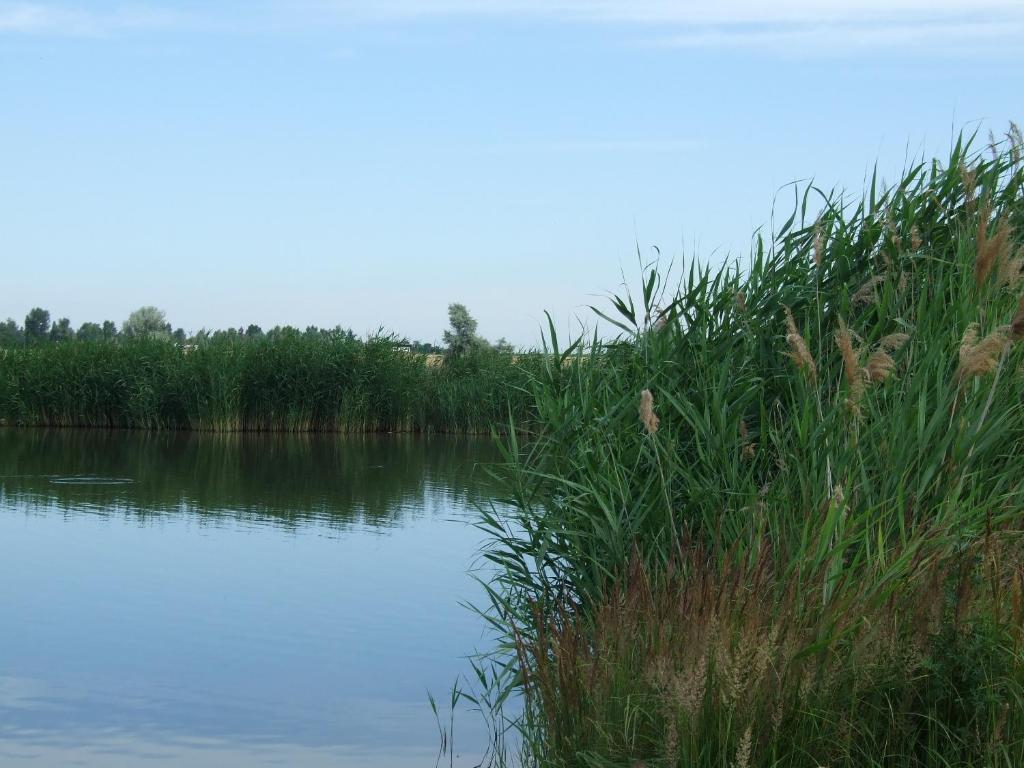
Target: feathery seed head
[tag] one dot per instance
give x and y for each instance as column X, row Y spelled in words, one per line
column 744, row 749
column 969, row 177
column 980, row 357
column 1016, row 142
column 1011, row 268
column 866, row 293
column 851, row 363
column 991, row 250
column 647, row 416
column 880, row 365
column 1017, row 324
column 893, row 342
column 852, row 371
column 798, row 351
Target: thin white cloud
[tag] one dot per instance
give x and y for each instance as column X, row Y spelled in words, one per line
column 807, row 26
column 819, row 26
column 954, row 36
column 680, row 12
column 36, row 18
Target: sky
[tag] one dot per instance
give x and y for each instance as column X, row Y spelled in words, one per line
column 367, row 162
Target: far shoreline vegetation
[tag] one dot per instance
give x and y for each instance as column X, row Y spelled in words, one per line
column 144, row 375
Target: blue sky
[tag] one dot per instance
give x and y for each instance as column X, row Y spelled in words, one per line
column 365, row 163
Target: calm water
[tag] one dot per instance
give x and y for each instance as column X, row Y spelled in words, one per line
column 201, row 600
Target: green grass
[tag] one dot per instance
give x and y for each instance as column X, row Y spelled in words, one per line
column 287, row 384
column 814, row 557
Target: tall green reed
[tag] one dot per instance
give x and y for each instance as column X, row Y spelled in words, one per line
column 817, row 440
column 286, row 384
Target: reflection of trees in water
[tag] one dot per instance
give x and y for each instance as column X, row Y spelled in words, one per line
column 374, row 479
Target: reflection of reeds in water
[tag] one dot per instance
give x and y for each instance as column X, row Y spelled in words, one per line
column 370, row 479
column 811, row 555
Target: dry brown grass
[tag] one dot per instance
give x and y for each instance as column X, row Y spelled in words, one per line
column 715, row 645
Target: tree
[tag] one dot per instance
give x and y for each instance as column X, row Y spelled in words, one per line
column 109, row 330
column 11, row 334
column 253, row 331
column 37, row 325
column 503, row 346
column 89, row 332
column 286, row 332
column 461, row 340
column 62, row 330
column 179, row 336
column 147, row 321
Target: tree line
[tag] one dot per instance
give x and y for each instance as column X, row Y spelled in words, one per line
column 38, row 328
column 460, row 340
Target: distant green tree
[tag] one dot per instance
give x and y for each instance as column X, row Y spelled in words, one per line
column 89, row 332
column 11, row 334
column 226, row 333
column 37, row 325
column 254, row 331
column 462, row 339
column 62, row 330
column 425, row 347
column 179, row 336
column 109, row 330
column 503, row 346
column 147, row 321
column 283, row 332
column 337, row 333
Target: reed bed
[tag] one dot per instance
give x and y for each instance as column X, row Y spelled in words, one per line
column 778, row 522
column 235, row 384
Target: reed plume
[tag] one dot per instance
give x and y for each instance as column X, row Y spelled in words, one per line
column 852, row 371
column 1011, row 268
column 893, row 342
column 866, row 292
column 978, row 358
column 969, row 177
column 744, row 749
column 990, row 250
column 1017, row 324
column 1016, row 142
column 879, row 366
column 798, row 351
column 647, row 416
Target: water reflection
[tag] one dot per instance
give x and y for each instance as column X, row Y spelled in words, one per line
column 234, row 603
column 368, row 479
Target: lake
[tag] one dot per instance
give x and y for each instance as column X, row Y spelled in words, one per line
column 183, row 599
